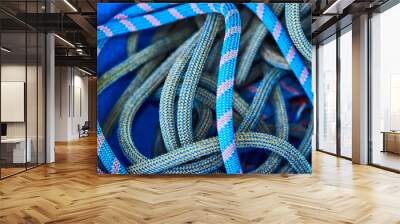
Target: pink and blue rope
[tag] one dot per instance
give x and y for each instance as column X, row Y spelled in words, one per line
column 285, row 44
column 227, row 63
column 137, row 20
column 106, row 156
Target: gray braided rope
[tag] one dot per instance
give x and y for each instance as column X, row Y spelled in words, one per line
column 191, row 78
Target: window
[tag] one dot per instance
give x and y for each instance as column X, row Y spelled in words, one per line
column 22, row 77
column 327, row 97
column 385, row 89
column 346, row 94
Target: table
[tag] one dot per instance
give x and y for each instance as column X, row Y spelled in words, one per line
column 13, row 150
column 391, row 141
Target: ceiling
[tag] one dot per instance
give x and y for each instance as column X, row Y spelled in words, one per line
column 74, row 21
column 329, row 16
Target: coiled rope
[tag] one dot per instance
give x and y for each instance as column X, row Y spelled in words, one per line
column 183, row 154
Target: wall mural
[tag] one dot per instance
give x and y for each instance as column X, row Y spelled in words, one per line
column 204, row 88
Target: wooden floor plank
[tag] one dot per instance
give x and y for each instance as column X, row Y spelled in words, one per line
column 70, row 191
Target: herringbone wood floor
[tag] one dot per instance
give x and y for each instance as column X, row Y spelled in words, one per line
column 70, row 191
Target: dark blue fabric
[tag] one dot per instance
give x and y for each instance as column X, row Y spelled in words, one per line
column 113, row 53
column 105, row 11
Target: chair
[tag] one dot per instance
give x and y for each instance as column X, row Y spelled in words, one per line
column 84, row 130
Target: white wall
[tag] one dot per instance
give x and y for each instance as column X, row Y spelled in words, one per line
column 62, row 81
column 33, row 127
column 13, row 73
column 13, row 100
column 71, row 94
column 80, row 115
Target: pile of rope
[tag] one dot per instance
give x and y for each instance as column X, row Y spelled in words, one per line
column 229, row 82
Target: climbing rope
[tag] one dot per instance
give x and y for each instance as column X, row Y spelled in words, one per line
column 292, row 18
column 176, row 69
